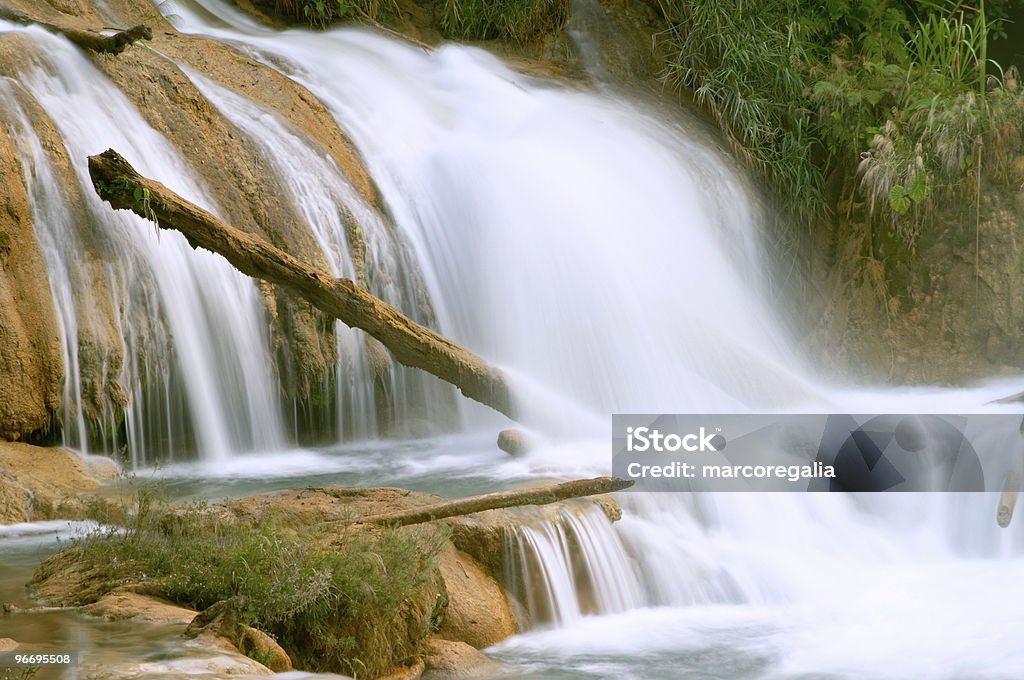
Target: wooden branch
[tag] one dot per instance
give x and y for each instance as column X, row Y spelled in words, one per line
column 94, row 42
column 412, row 344
column 543, row 495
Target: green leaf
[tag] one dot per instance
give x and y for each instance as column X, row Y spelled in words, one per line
column 919, row 188
column 899, row 199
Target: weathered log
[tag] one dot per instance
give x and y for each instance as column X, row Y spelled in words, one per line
column 542, row 495
column 94, row 42
column 412, row 344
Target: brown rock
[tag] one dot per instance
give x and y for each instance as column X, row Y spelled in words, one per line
column 31, row 365
column 15, row 501
column 102, row 469
column 7, row 644
column 413, row 672
column 257, row 645
column 100, row 341
column 122, row 605
column 42, row 483
column 62, row 580
column 478, row 612
column 223, row 618
column 452, row 660
column 514, row 442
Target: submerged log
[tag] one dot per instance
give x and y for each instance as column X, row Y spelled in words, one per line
column 542, row 495
column 412, row 344
column 94, row 42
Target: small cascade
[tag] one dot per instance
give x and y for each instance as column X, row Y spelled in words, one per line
column 570, row 565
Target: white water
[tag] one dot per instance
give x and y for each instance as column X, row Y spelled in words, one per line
column 212, row 344
column 610, row 261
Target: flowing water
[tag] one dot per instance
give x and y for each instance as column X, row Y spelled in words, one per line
column 609, row 258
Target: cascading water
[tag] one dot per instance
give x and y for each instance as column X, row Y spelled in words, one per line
column 609, row 260
column 329, row 206
column 194, row 330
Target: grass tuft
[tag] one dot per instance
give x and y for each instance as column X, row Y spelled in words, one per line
column 354, row 600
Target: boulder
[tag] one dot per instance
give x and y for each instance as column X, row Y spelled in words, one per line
column 7, row 645
column 411, row 672
column 453, row 660
column 514, row 442
column 478, row 612
column 224, row 620
column 257, row 645
column 43, row 483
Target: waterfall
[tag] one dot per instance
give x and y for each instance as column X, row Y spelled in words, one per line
column 607, row 255
column 611, row 260
column 192, row 330
column 563, row 567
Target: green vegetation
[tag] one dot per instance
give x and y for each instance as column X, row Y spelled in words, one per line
column 352, row 600
column 18, row 673
column 519, row 21
column 895, row 100
column 323, row 12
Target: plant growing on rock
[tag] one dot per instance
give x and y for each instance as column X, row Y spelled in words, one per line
column 351, row 599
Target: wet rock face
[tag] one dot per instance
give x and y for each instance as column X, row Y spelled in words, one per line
column 952, row 311
column 233, row 168
column 31, row 366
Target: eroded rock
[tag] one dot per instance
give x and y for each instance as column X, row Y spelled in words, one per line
column 478, row 612
column 122, row 605
column 31, row 367
column 452, row 660
column 39, row 483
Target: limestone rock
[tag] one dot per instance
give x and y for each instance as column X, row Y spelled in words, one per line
column 451, row 660
column 412, row 672
column 31, row 367
column 223, row 619
column 256, row 644
column 124, row 605
column 514, row 442
column 15, row 501
column 478, row 612
column 43, row 483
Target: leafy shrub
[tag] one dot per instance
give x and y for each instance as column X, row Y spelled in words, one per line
column 353, row 600
column 898, row 94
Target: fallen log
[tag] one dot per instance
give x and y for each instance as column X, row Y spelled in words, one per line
column 543, row 495
column 94, row 42
column 412, row 344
